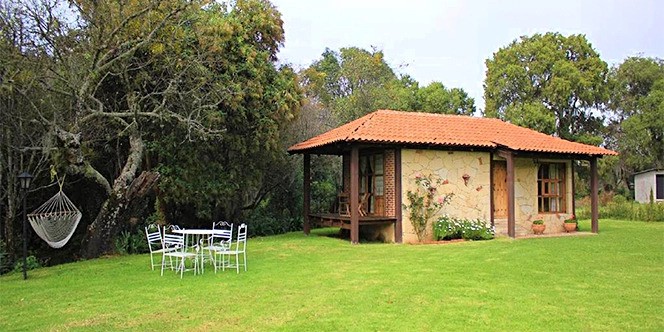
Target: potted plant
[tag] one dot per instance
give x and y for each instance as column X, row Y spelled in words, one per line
column 538, row 227
column 570, row 224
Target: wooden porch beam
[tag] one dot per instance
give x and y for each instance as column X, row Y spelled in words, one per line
column 594, row 195
column 398, row 227
column 307, row 193
column 511, row 219
column 354, row 195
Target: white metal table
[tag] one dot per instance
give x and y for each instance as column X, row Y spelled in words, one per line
column 192, row 237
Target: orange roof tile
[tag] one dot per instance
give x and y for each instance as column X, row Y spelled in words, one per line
column 385, row 126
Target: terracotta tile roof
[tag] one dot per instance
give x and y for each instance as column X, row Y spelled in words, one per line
column 385, row 126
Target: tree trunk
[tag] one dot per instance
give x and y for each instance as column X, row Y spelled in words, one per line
column 12, row 197
column 128, row 196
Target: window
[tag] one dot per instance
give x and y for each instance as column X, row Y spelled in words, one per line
column 551, row 188
column 372, row 180
column 659, row 183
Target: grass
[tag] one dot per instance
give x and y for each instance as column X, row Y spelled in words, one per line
column 608, row 282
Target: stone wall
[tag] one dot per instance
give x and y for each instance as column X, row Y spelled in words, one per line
column 471, row 199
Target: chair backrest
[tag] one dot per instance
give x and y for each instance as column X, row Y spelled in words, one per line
column 154, row 237
column 241, row 243
column 223, row 230
column 174, row 241
column 222, row 225
column 169, row 229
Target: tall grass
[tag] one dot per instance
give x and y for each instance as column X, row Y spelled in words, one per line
column 620, row 208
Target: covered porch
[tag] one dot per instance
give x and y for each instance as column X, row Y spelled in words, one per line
column 371, row 190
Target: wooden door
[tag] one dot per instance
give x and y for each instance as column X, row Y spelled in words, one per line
column 499, row 189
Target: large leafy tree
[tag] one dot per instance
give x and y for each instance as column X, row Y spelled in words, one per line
column 548, row 82
column 191, row 82
column 354, row 82
column 636, row 126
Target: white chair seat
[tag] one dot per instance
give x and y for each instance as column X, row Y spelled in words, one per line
column 174, row 247
column 239, row 251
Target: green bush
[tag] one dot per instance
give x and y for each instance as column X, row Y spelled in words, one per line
column 127, row 243
column 262, row 222
column 449, row 228
column 31, row 262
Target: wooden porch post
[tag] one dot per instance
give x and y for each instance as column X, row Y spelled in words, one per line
column 594, row 195
column 511, row 222
column 573, row 187
column 307, row 193
column 354, row 195
column 491, row 187
column 398, row 227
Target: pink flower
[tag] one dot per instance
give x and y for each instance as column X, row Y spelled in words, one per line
column 441, row 200
column 418, row 176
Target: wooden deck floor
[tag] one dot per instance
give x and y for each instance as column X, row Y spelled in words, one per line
column 336, row 220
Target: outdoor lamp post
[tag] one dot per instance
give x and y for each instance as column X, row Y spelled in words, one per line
column 24, row 179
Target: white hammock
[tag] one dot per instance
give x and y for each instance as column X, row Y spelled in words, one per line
column 55, row 221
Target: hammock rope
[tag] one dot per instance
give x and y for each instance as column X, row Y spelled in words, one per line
column 55, row 221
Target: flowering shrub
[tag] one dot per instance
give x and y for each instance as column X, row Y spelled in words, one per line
column 449, row 228
column 424, row 203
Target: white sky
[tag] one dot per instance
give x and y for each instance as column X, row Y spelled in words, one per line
column 449, row 40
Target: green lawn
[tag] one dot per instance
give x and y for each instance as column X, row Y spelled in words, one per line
column 609, row 282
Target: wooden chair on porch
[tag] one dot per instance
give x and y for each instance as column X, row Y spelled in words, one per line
column 344, row 205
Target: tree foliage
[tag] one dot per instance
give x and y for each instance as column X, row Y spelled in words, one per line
column 354, row 82
column 636, row 125
column 187, row 88
column 548, row 82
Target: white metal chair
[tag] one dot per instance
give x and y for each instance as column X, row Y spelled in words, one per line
column 155, row 242
column 220, row 240
column 174, row 247
column 240, row 250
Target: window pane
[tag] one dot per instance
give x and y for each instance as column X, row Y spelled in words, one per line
column 363, row 165
column 379, row 185
column 553, row 172
column 660, row 186
column 379, row 163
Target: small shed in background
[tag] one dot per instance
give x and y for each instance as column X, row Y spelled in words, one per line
column 647, row 182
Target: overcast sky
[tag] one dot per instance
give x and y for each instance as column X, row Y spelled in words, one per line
column 448, row 41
